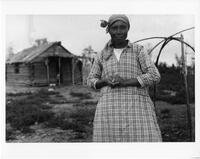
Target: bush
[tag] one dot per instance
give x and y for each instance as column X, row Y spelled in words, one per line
column 82, row 95
column 179, row 98
column 90, row 102
column 83, row 115
column 19, row 94
column 9, row 134
column 80, row 120
column 23, row 113
column 172, row 79
column 165, row 111
column 57, row 120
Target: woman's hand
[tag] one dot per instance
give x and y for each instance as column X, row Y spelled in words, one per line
column 111, row 82
column 117, row 81
column 105, row 82
column 114, row 81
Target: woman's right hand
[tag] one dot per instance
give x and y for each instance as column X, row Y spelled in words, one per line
column 103, row 82
column 111, row 82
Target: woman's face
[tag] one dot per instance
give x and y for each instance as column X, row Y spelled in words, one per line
column 118, row 31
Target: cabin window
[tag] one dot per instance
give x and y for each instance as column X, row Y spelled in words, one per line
column 16, row 67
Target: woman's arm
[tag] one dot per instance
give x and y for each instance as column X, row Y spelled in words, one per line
column 150, row 73
column 95, row 72
column 102, row 83
column 126, row 82
column 149, row 76
column 130, row 82
column 94, row 79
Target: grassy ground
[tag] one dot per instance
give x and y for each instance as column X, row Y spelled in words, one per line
column 66, row 115
column 172, row 120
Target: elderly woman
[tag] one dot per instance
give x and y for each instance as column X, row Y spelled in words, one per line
column 123, row 72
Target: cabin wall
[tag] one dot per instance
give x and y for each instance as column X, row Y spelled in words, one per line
column 53, row 69
column 39, row 74
column 35, row 74
column 20, row 78
column 66, row 71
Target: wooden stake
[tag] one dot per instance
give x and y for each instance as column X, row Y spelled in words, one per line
column 186, row 89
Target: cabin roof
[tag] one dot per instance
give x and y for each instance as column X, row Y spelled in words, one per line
column 29, row 54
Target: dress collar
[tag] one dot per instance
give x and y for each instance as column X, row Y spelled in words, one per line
column 108, row 50
column 110, row 44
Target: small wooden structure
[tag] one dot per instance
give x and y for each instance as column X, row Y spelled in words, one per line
column 42, row 65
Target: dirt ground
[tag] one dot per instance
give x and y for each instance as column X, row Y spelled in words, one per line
column 40, row 132
column 173, row 124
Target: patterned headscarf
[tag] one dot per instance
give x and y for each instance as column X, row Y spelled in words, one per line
column 113, row 19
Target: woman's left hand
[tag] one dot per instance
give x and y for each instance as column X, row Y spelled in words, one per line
column 117, row 81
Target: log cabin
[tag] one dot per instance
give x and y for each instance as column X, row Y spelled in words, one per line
column 44, row 64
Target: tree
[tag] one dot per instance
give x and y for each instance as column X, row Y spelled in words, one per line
column 178, row 61
column 10, row 52
column 89, row 53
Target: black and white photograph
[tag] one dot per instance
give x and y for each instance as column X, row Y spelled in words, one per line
column 114, row 78
column 61, row 86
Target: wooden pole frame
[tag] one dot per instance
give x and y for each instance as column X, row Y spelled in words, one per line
column 186, row 90
column 167, row 40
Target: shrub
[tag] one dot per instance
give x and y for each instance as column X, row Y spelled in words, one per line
column 83, row 115
column 10, row 134
column 82, row 95
column 178, row 99
column 23, row 113
column 64, row 122
column 46, row 92
column 80, row 120
column 72, row 101
column 90, row 102
column 165, row 111
column 18, row 94
column 57, row 120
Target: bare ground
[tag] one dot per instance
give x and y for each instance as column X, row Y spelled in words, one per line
column 41, row 133
column 173, row 124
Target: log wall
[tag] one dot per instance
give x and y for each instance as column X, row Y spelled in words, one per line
column 21, row 78
column 36, row 74
column 39, row 74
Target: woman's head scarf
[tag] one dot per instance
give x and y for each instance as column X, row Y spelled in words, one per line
column 113, row 19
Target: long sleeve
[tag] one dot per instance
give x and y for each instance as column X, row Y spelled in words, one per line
column 150, row 73
column 95, row 72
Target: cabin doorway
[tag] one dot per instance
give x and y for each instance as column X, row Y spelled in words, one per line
column 55, row 73
column 60, row 70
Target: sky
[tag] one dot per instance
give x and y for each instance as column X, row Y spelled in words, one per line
column 77, row 32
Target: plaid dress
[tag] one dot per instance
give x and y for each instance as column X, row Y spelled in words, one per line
column 125, row 114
